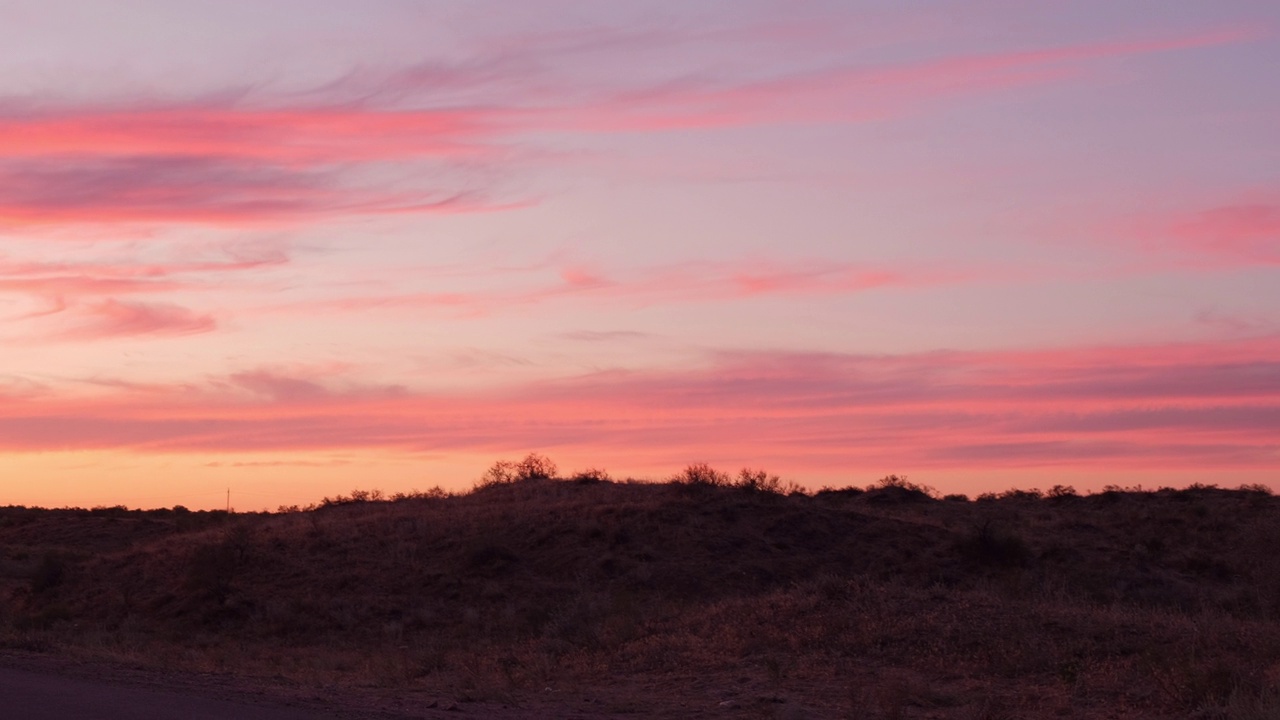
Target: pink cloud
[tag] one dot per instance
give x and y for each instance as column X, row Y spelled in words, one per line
column 63, row 279
column 823, row 278
column 112, row 318
column 295, row 137
column 16, row 389
column 691, row 282
column 278, row 387
column 60, row 286
column 304, row 386
column 86, row 293
column 1240, row 233
column 196, row 189
column 214, row 258
column 866, row 93
column 224, row 162
column 1147, row 407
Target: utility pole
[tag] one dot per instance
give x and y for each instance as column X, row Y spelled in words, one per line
column 228, row 501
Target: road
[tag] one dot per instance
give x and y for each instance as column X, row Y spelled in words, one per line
column 28, row 695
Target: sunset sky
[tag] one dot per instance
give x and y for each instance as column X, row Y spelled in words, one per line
column 299, row 247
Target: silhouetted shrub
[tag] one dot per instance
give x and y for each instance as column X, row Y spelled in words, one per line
column 758, row 480
column 701, row 474
column 435, row 493
column 356, row 496
column 901, row 482
column 1061, row 492
column 850, row 491
column 505, row 472
column 501, row 472
column 535, row 467
column 590, row 476
column 896, row 489
column 956, row 497
column 1019, row 494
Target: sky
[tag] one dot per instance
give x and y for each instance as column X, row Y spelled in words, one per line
column 294, row 248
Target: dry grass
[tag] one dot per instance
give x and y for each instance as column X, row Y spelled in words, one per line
column 707, row 593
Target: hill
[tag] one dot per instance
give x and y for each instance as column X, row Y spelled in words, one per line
column 697, row 597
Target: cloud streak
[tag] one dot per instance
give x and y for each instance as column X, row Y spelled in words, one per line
column 82, row 299
column 845, row 94
column 1245, row 233
column 694, row 282
column 312, row 156
column 113, row 319
column 215, row 191
column 1153, row 406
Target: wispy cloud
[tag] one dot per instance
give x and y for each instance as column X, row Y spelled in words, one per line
column 81, row 300
column 295, row 137
column 1247, row 233
column 1155, row 406
column 61, row 286
column 305, row 385
column 603, row 336
column 113, row 318
column 702, row 281
column 845, row 94
column 206, row 190
column 344, row 148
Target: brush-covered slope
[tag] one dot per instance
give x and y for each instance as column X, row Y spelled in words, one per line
column 1156, row 602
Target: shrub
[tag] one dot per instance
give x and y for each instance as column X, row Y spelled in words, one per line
column 1061, row 492
column 435, row 493
column 591, row 475
column 1017, row 494
column 896, row 488
column 701, row 474
column 500, row 473
column 356, row 496
column 901, row 482
column 850, row 491
column 505, row 472
column 535, row 467
column 758, row 480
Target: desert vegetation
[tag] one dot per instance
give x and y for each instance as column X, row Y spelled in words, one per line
column 709, row 594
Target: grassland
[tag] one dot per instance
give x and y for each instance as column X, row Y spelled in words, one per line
column 705, row 596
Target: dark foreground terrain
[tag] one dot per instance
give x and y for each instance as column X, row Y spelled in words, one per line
column 702, row 597
column 46, row 696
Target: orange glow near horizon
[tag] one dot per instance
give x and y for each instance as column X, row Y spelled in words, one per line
column 824, row 419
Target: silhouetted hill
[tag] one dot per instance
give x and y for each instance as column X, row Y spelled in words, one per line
column 688, row 597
